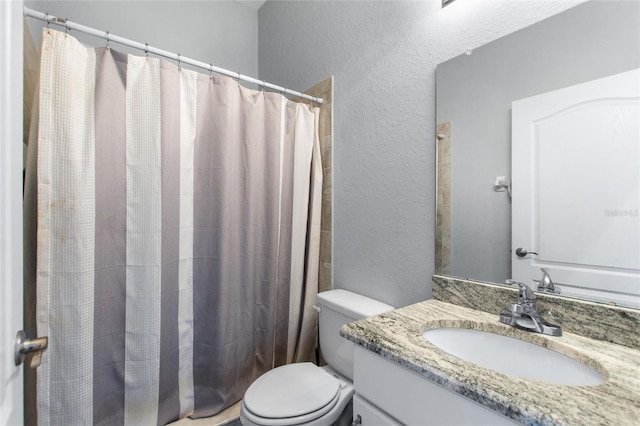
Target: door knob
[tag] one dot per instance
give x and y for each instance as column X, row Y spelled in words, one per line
column 520, row 252
column 24, row 347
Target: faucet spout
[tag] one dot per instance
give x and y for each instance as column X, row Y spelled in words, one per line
column 546, row 284
column 526, row 297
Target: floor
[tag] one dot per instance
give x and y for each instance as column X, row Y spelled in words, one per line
column 229, row 417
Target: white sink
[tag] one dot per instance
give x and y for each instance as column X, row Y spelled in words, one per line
column 513, row 356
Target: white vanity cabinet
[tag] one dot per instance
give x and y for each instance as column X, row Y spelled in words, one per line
column 400, row 396
column 365, row 413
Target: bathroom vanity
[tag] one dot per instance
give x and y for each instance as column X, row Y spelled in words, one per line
column 399, row 396
column 401, row 378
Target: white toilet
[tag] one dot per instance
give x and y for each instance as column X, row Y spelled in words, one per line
column 304, row 394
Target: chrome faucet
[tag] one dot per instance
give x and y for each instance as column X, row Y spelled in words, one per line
column 546, row 285
column 523, row 314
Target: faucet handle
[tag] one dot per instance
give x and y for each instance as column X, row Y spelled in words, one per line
column 525, row 295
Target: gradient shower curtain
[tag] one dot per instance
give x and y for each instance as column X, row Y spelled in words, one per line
column 177, row 232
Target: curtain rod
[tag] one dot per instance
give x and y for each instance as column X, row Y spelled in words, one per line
column 50, row 19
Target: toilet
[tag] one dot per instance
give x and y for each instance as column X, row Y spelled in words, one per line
column 303, row 393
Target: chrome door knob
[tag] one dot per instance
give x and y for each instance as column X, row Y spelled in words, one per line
column 24, row 347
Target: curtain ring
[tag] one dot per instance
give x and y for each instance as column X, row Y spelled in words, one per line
column 66, row 26
column 46, row 14
column 146, row 50
column 179, row 63
column 238, row 77
column 264, row 85
column 108, row 41
column 211, row 72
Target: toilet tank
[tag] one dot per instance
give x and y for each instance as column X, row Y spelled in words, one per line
column 339, row 307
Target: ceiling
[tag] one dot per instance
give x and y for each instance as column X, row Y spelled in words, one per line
column 253, row 4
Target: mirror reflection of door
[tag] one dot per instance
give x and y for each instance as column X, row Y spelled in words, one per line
column 568, row 145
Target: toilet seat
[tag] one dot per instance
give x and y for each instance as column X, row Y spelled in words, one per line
column 291, row 394
column 289, row 421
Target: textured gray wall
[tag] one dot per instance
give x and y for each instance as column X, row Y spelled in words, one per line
column 224, row 33
column 383, row 56
column 475, row 92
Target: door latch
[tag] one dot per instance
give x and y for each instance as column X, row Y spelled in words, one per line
column 25, row 347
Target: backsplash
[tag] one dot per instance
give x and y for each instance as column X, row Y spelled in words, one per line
column 594, row 320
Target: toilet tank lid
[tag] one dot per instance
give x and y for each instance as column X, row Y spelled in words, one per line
column 351, row 304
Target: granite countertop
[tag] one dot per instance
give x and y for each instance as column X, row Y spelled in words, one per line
column 397, row 336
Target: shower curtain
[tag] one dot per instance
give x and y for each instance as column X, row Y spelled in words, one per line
column 177, row 236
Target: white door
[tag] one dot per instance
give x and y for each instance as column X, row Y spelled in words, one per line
column 576, row 188
column 11, row 404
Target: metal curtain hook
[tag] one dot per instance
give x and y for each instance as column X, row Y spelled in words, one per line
column 146, row 49
column 179, row 63
column 264, row 85
column 210, row 71
column 46, row 14
column 108, row 41
column 66, row 26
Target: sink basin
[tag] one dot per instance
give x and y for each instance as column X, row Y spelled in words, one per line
column 513, row 356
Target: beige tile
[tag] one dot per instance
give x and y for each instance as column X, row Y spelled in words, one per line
column 325, row 151
column 325, row 220
column 325, row 283
column 325, row 245
column 324, row 124
column 327, row 178
column 324, row 90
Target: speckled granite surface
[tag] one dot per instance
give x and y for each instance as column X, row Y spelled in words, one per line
column 397, row 336
column 596, row 320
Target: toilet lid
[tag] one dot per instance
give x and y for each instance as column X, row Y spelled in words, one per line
column 290, row 391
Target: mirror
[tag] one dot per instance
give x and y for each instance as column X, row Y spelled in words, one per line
column 475, row 95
